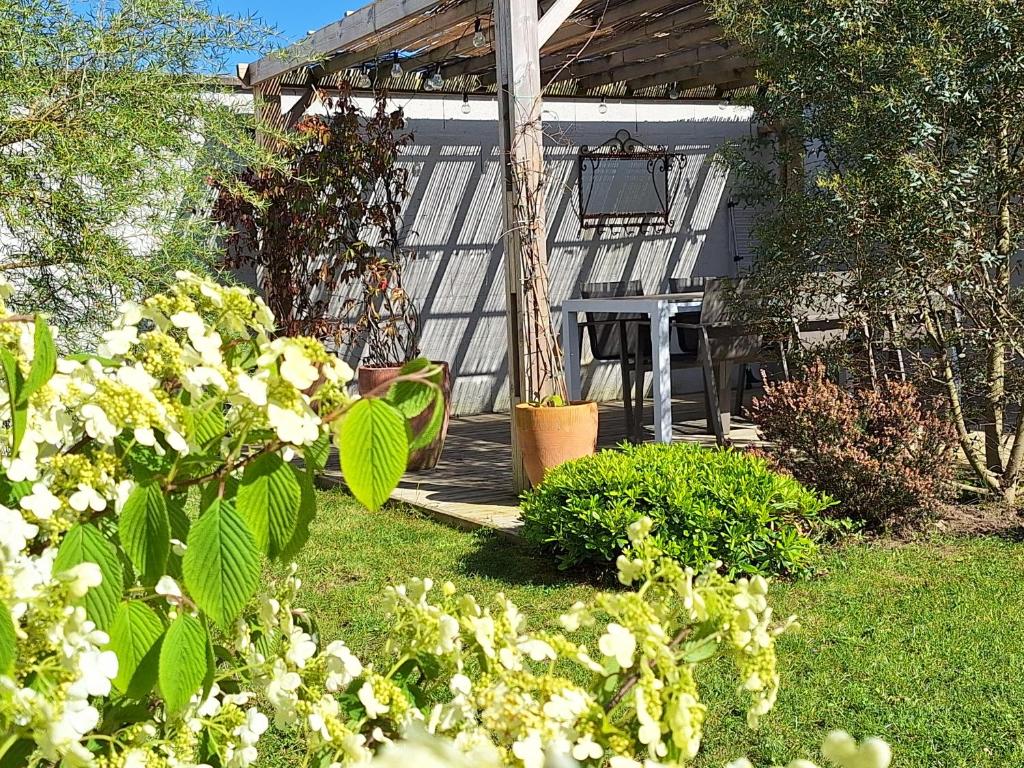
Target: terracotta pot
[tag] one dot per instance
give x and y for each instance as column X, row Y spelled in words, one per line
column 369, row 378
column 550, row 436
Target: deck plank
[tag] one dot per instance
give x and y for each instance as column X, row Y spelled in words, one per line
column 472, row 484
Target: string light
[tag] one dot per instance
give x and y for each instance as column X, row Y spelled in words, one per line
column 673, row 92
column 396, row 67
column 479, row 38
column 436, row 81
column 466, row 108
column 602, row 107
column 362, row 80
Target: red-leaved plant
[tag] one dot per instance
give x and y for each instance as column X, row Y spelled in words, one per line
column 326, row 235
column 883, row 455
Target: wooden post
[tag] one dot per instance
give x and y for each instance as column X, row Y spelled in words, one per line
column 534, row 360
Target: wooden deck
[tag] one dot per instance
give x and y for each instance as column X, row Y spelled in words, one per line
column 472, row 485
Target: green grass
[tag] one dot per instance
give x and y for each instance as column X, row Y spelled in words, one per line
column 922, row 644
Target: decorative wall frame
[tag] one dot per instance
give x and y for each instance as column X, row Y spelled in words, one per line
column 625, row 183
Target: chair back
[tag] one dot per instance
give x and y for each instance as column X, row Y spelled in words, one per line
column 688, row 338
column 605, row 333
column 822, row 320
column 728, row 336
column 691, row 284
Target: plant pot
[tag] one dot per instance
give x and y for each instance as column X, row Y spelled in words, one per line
column 369, row 378
column 549, row 436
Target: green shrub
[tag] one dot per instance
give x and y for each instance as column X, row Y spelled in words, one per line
column 706, row 505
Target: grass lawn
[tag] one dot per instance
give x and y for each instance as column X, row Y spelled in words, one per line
column 922, row 644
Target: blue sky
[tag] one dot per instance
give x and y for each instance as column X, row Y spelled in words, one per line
column 292, row 17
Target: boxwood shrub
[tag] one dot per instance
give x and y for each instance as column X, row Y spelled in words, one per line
column 706, row 504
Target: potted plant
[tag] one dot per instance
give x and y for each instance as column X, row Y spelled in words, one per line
column 322, row 229
column 387, row 325
column 553, row 431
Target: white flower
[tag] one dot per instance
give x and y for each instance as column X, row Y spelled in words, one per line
column 168, row 587
column 96, row 669
column 201, row 376
column 81, row 578
column 301, row 648
column 619, row 644
column 460, row 685
column 85, row 498
column 483, row 631
column 342, row 666
column 297, row 369
column 41, row 502
column 629, row 570
column 292, row 427
column 530, row 750
column 256, row 723
column 118, row 341
column 538, row 650
column 740, row 763
column 587, row 749
column 368, row 698
column 253, row 387
column 15, row 532
column 97, row 425
column 638, row 530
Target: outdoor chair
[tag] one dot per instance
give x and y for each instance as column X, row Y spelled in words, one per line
column 721, row 341
column 615, row 336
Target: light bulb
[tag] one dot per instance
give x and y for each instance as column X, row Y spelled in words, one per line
column 362, row 80
column 479, row 39
column 436, row 81
column 466, row 108
column 396, row 69
column 602, row 107
column 673, row 92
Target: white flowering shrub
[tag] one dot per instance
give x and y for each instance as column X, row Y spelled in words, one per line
column 143, row 487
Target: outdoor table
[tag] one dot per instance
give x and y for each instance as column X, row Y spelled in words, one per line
column 659, row 308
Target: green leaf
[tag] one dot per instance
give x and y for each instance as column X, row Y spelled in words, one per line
column 135, row 637
column 211, row 490
column 374, row 446
column 44, row 361
column 8, row 641
column 412, row 397
column 208, row 422
column 307, row 513
column 85, row 544
column 11, row 493
column 19, row 408
column 426, row 435
column 268, row 502
column 317, row 452
column 221, row 564
column 183, row 662
column 145, row 533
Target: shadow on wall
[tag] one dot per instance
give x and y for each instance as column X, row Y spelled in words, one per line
column 454, row 217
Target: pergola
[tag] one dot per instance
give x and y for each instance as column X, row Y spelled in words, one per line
column 520, row 50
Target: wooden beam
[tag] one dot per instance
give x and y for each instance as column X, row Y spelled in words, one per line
column 554, row 18
column 533, row 360
column 631, row 72
column 608, row 40
column 369, row 20
column 706, row 73
column 643, row 51
column 446, row 25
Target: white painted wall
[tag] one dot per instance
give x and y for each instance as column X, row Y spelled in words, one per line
column 455, row 212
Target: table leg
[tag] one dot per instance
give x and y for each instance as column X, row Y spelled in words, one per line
column 661, row 373
column 571, row 351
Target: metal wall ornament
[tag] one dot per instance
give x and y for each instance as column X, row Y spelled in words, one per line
column 624, row 183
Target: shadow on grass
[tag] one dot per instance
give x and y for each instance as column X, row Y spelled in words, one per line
column 525, row 564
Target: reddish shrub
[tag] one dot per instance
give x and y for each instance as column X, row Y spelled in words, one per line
column 882, row 455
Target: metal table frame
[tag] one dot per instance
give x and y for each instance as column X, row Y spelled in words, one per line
column 659, row 308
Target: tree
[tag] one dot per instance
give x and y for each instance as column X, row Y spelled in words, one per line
column 910, row 117
column 324, row 230
column 108, row 134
